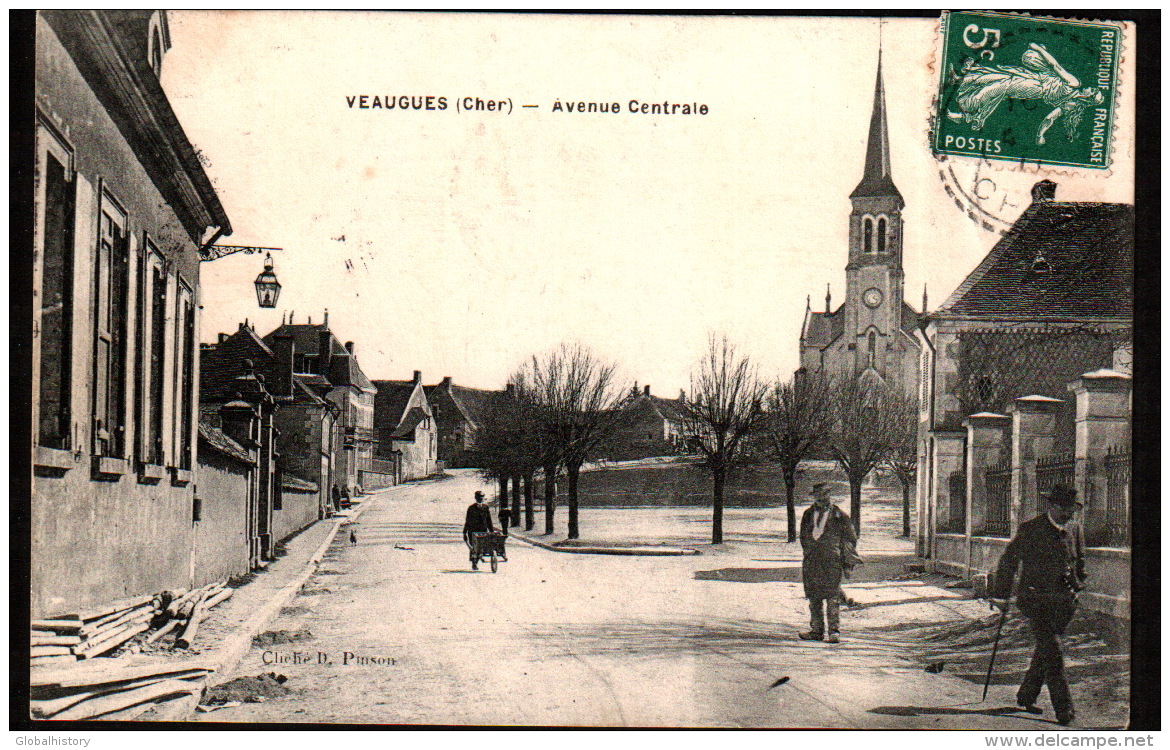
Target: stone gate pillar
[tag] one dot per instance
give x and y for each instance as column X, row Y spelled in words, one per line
column 1103, row 421
column 1033, row 436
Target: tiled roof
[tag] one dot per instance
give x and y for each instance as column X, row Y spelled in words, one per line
column 343, row 367
column 215, row 438
column 822, row 328
column 910, row 319
column 405, row 429
column 476, row 403
column 670, row 409
column 390, row 402
column 1060, row 260
column 221, row 364
column 293, row 482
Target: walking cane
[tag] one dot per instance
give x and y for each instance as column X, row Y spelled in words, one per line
column 995, row 646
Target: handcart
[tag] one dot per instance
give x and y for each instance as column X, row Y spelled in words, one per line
column 489, row 544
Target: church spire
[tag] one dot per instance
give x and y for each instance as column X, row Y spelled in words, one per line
column 877, row 181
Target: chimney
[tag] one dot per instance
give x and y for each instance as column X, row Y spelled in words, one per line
column 284, row 349
column 223, row 337
column 349, row 347
column 828, row 299
column 324, row 350
column 418, row 376
column 682, row 395
column 647, row 390
column 1044, row 191
column 446, row 382
column 326, row 323
column 510, row 390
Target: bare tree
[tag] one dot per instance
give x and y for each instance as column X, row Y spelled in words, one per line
column 865, row 422
column 798, row 419
column 504, row 447
column 576, row 396
column 724, row 410
column 902, row 460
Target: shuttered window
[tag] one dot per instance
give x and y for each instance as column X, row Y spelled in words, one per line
column 113, row 268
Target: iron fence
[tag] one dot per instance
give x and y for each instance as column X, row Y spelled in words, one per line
column 997, row 483
column 1058, row 468
column 1117, row 492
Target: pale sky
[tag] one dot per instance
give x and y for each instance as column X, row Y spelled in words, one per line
column 473, row 240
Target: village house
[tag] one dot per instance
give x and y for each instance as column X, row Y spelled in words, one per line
column 650, row 426
column 122, row 211
column 314, row 357
column 405, row 428
column 1026, row 375
column 460, row 413
column 242, row 394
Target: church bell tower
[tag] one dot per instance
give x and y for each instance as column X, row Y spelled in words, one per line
column 873, row 275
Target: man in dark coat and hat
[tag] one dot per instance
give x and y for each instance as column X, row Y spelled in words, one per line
column 1049, row 551
column 479, row 518
column 829, row 544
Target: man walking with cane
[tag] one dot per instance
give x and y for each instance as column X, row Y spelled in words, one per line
column 1049, row 551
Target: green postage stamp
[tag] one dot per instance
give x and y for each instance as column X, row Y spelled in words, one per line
column 1027, row 89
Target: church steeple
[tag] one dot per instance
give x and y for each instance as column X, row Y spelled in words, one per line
column 877, row 181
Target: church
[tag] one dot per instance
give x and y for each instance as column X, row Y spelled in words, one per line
column 871, row 334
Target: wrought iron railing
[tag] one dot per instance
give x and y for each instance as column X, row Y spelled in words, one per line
column 1117, row 496
column 997, row 483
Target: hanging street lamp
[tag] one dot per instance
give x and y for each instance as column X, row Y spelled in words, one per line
column 267, row 287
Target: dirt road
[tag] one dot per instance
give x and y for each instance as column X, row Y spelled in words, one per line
column 403, row 632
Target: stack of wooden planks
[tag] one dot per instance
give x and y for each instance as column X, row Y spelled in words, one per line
column 100, row 630
column 114, row 689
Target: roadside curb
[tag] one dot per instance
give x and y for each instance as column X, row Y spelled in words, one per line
column 229, row 656
column 628, row 551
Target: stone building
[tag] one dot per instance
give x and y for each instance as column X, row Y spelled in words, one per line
column 650, row 426
column 872, row 332
column 460, row 413
column 405, row 428
column 122, row 210
column 314, row 356
column 1026, row 383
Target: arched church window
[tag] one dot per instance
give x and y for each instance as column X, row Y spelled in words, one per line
column 881, row 235
column 872, row 346
column 867, row 235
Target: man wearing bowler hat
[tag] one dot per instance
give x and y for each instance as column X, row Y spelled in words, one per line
column 828, row 541
column 1049, row 551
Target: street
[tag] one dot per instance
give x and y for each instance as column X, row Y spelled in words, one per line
column 403, row 632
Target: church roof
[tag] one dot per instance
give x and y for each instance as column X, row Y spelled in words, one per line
column 822, row 328
column 1060, row 260
column 877, row 180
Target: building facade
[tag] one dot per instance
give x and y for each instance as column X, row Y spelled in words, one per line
column 649, row 426
column 122, row 209
column 405, row 428
column 1025, row 383
column 871, row 333
column 460, row 413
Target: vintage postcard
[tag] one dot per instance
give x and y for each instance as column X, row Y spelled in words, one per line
column 499, row 370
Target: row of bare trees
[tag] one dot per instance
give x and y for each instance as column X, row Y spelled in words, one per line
column 563, row 405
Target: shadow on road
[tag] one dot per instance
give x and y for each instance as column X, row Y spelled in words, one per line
column 956, row 711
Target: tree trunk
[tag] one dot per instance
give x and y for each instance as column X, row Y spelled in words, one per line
column 574, row 470
column 790, row 504
column 550, row 497
column 529, row 517
column 905, row 509
column 717, row 511
column 514, row 520
column 503, row 495
column 855, row 503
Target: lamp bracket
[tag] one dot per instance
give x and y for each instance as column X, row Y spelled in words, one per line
column 215, row 252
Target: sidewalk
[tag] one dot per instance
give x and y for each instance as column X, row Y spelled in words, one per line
column 226, row 635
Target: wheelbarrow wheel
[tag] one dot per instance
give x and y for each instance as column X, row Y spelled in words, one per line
column 495, row 564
